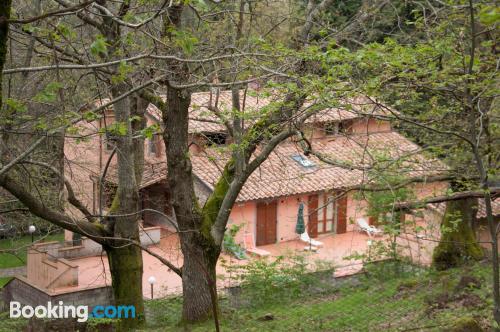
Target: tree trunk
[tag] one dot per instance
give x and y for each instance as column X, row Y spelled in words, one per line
column 125, row 259
column 198, row 248
column 125, row 265
column 198, row 278
column 458, row 242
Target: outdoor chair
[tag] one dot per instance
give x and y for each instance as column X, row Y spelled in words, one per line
column 304, row 237
column 250, row 247
column 311, row 248
column 364, row 226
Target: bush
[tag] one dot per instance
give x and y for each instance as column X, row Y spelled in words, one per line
column 229, row 244
column 286, row 277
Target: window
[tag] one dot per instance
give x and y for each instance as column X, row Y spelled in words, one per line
column 331, row 128
column 345, row 127
column 109, row 142
column 303, row 161
column 328, row 210
column 215, row 138
column 152, row 146
column 335, row 128
column 325, row 220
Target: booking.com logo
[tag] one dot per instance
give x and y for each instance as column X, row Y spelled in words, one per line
column 80, row 312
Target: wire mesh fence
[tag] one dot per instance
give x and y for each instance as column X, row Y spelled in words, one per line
column 385, row 296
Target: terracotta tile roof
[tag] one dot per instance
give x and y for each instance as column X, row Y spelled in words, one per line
column 153, row 173
column 281, row 175
column 481, row 212
column 356, row 107
column 202, row 120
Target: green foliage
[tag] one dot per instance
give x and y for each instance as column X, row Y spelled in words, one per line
column 185, row 40
column 11, row 324
column 65, row 30
column 489, row 15
column 15, row 106
column 164, row 312
column 387, row 172
column 124, row 69
column 149, row 131
column 4, row 281
column 99, row 47
column 116, row 128
column 90, row 116
column 280, row 279
column 99, row 324
column 49, row 93
column 465, row 324
column 229, row 244
column 426, row 80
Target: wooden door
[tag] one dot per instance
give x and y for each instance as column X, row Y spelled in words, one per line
column 312, row 211
column 342, row 215
column 266, row 223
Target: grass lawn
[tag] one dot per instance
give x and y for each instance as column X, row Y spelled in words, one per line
column 430, row 301
column 19, row 257
column 3, row 281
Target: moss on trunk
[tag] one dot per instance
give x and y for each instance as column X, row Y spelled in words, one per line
column 125, row 264
column 458, row 242
column 214, row 202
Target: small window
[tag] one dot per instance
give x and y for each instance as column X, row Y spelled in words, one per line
column 152, row 146
column 331, row 128
column 344, row 127
column 335, row 128
column 215, row 138
column 109, row 142
column 303, row 161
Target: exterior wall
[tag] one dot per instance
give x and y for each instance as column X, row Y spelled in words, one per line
column 355, row 209
column 83, row 160
column 363, row 126
column 359, row 126
column 422, row 190
column 86, row 158
column 288, row 208
column 245, row 214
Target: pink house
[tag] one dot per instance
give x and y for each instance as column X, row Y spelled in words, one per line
column 268, row 204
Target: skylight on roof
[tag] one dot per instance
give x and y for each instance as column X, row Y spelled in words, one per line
column 303, row 161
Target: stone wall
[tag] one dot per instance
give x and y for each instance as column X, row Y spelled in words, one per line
column 19, row 289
